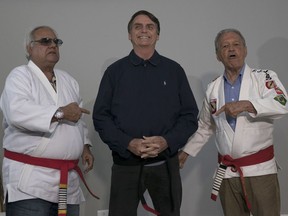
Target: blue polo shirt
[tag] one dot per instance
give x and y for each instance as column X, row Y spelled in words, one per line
column 232, row 92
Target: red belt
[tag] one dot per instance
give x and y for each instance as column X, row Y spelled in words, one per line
column 63, row 165
column 236, row 164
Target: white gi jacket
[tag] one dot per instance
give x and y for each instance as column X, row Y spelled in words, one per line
column 253, row 132
column 28, row 103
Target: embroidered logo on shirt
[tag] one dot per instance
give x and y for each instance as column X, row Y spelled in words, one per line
column 281, row 99
column 164, row 83
column 278, row 90
column 213, row 105
column 270, row 84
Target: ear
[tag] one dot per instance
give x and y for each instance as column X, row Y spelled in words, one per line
column 218, row 58
column 129, row 36
column 245, row 52
column 29, row 49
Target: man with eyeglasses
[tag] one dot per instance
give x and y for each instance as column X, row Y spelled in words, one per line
column 145, row 111
column 44, row 133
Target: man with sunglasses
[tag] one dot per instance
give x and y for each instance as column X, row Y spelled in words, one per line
column 44, row 133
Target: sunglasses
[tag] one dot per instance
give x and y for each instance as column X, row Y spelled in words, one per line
column 48, row 41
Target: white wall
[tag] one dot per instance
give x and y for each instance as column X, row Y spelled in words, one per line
column 95, row 35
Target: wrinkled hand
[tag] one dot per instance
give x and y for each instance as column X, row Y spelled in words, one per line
column 233, row 109
column 87, row 159
column 153, row 146
column 135, row 146
column 72, row 112
column 182, row 156
column 148, row 146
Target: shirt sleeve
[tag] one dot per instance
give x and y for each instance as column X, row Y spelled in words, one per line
column 103, row 122
column 186, row 123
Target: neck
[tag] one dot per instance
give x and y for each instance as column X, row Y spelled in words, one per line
column 144, row 53
column 48, row 71
column 232, row 75
column 46, row 67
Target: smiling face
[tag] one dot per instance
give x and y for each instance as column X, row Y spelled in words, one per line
column 42, row 55
column 143, row 33
column 231, row 51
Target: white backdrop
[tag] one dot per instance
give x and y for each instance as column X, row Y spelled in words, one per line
column 95, row 35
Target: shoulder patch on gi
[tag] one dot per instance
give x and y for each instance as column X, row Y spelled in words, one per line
column 281, row 99
column 271, row 84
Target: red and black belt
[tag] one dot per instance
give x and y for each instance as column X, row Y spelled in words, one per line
column 63, row 165
column 236, row 164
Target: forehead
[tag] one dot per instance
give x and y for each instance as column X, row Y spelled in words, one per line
column 229, row 36
column 142, row 19
column 44, row 32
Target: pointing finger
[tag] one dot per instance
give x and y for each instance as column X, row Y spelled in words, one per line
column 85, row 111
column 220, row 110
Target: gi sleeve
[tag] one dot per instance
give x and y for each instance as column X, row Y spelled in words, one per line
column 206, row 127
column 272, row 102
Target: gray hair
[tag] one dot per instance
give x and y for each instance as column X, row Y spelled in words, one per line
column 220, row 34
column 30, row 36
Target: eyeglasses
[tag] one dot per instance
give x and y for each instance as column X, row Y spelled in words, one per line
column 48, row 41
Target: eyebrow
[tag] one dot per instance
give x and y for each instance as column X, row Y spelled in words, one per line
column 141, row 24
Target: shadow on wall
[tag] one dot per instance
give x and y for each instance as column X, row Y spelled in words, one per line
column 273, row 55
column 199, row 86
column 106, row 64
column 99, row 178
column 2, row 208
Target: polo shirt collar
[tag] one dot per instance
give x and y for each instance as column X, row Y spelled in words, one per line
column 136, row 60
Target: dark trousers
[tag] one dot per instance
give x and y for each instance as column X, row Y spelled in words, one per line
column 162, row 182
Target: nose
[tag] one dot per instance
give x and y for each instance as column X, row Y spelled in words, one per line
column 231, row 47
column 53, row 44
column 144, row 29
